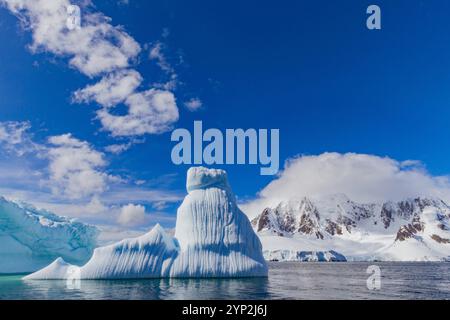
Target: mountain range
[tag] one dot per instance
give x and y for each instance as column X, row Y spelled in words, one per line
column 335, row 228
column 213, row 237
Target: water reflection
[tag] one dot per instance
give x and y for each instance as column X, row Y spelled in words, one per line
column 285, row 281
column 152, row 289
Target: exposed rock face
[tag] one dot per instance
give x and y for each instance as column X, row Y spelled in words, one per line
column 304, row 217
column 213, row 238
column 336, row 222
column 438, row 239
column 410, row 230
column 333, row 228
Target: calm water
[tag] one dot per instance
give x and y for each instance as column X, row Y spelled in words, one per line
column 287, row 280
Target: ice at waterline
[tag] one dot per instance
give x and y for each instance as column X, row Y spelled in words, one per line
column 213, row 238
column 234, row 151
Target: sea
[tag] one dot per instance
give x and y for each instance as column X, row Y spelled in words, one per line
column 286, row 280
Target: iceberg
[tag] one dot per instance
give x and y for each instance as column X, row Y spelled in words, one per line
column 213, row 238
column 31, row 238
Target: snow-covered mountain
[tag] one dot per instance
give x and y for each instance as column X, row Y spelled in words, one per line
column 410, row 230
column 32, row 238
column 213, row 238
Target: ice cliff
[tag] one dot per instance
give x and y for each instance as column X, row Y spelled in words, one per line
column 31, row 238
column 213, row 238
column 303, row 256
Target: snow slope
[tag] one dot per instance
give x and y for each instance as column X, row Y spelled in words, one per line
column 409, row 230
column 32, row 238
column 213, row 238
column 304, row 256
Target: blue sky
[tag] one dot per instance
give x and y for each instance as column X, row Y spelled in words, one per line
column 310, row 68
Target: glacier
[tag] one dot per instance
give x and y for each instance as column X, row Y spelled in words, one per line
column 31, row 238
column 303, row 256
column 213, row 238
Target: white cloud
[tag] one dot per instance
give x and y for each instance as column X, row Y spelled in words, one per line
column 95, row 206
column 117, row 148
column 112, row 234
column 68, row 176
column 75, row 168
column 159, row 205
column 156, row 194
column 132, row 215
column 98, row 48
column 194, row 104
column 103, row 208
column 153, row 111
column 14, row 137
column 362, row 177
column 156, row 53
column 111, row 89
column 95, row 48
column 12, row 132
column 72, row 168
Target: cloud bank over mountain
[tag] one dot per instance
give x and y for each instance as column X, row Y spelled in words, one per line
column 362, row 177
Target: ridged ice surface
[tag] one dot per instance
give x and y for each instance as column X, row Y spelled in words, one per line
column 213, row 238
column 31, row 238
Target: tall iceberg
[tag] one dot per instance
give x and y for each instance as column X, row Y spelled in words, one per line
column 31, row 238
column 213, row 238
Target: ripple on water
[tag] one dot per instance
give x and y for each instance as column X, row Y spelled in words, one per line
column 287, row 280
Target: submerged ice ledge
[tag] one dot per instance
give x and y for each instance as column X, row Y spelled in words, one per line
column 213, row 238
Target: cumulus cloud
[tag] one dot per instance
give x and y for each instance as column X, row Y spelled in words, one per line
column 132, row 215
column 95, row 48
column 69, row 176
column 152, row 111
column 362, row 177
column 117, row 148
column 71, row 168
column 15, row 137
column 99, row 49
column 194, row 104
column 13, row 132
column 111, row 90
column 75, row 168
